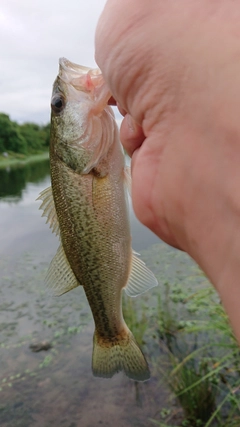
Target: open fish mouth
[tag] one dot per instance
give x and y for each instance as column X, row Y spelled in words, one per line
column 69, row 66
column 82, row 78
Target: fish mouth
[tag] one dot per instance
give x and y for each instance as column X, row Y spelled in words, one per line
column 82, row 78
column 82, row 84
column 68, row 66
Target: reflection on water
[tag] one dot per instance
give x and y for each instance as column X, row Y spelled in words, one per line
column 21, row 225
column 13, row 180
column 54, row 388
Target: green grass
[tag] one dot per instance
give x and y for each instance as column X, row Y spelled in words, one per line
column 186, row 319
column 204, row 365
column 135, row 319
column 14, row 159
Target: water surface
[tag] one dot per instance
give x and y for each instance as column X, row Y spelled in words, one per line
column 55, row 387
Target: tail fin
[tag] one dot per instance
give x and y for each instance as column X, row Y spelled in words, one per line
column 121, row 355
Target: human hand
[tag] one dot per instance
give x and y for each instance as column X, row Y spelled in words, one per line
column 174, row 67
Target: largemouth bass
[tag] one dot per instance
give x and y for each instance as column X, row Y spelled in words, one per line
column 87, row 207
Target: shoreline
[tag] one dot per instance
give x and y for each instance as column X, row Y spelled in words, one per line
column 15, row 161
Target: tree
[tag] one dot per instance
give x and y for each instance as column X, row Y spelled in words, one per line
column 10, row 136
column 36, row 136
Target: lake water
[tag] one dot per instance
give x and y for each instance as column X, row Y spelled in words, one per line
column 56, row 387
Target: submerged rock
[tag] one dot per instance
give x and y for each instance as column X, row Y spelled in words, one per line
column 41, row 346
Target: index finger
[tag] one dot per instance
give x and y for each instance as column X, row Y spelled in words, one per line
column 112, row 101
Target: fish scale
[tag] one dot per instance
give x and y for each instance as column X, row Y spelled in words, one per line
column 88, row 205
column 99, row 281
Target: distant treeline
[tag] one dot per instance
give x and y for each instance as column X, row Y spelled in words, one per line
column 28, row 138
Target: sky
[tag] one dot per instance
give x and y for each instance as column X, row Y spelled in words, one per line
column 33, row 36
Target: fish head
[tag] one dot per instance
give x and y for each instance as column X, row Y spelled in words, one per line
column 82, row 124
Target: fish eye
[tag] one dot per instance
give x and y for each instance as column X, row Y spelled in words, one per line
column 57, row 103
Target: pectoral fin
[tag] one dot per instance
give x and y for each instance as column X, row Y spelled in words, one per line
column 141, row 279
column 49, row 210
column 60, row 277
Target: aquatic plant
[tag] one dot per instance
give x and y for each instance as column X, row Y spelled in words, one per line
column 135, row 317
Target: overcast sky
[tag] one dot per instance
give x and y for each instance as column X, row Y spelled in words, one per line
column 33, row 35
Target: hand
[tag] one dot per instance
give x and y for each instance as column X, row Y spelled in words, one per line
column 174, row 67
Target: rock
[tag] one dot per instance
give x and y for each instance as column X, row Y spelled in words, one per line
column 41, row 346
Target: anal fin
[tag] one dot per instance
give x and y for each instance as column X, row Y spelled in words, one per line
column 141, row 279
column 60, row 277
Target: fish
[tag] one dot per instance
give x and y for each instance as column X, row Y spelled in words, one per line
column 87, row 207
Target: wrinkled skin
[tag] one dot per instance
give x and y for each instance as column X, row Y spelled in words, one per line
column 174, row 69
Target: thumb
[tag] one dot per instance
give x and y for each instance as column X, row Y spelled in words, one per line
column 131, row 134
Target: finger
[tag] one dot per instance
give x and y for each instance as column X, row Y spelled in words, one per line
column 121, row 110
column 113, row 102
column 145, row 168
column 131, row 134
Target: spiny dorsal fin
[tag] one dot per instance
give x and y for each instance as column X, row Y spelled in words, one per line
column 60, row 277
column 141, row 279
column 49, row 210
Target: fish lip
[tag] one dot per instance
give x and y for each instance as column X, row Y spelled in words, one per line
column 75, row 69
column 82, row 78
column 67, row 66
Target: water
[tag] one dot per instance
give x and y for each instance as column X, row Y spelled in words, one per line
column 22, row 227
column 55, row 387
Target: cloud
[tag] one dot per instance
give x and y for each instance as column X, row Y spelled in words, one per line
column 33, row 35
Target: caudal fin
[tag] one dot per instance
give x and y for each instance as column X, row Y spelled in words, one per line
column 110, row 357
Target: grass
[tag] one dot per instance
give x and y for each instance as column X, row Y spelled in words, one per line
column 186, row 319
column 204, row 366
column 14, row 159
column 135, row 319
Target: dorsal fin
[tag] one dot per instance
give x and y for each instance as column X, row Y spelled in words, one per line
column 49, row 210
